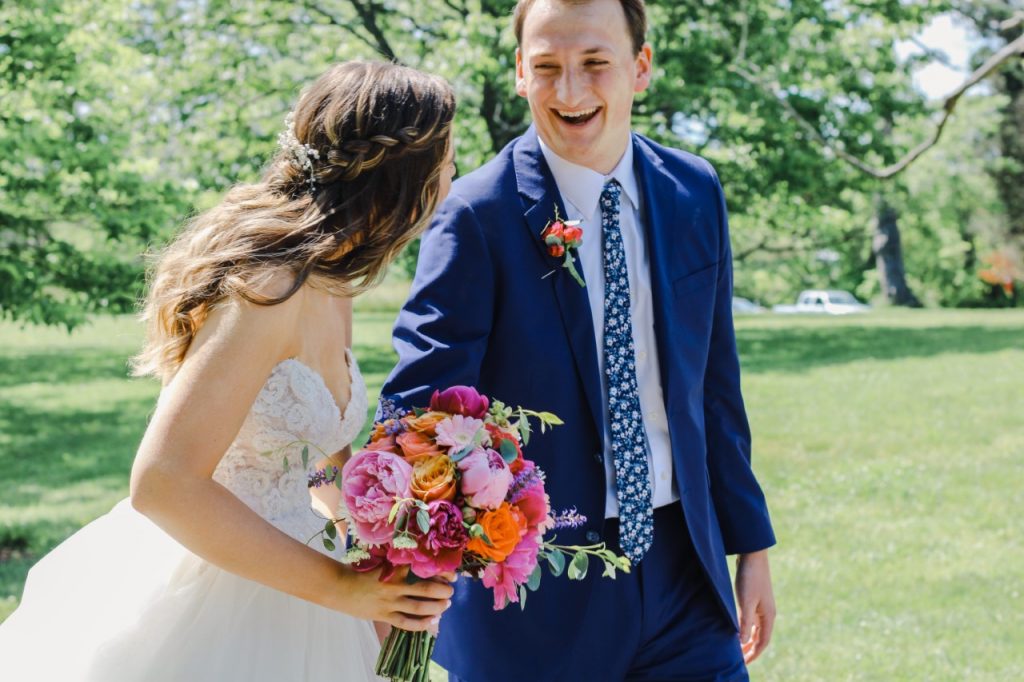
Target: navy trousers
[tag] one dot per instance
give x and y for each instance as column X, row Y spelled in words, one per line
column 660, row 623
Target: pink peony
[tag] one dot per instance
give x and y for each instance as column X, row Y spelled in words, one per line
column 505, row 578
column 439, row 549
column 463, row 400
column 485, row 478
column 371, row 482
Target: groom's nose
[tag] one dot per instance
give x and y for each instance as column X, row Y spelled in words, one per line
column 570, row 88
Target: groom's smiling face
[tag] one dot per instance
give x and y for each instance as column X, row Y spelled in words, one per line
column 577, row 66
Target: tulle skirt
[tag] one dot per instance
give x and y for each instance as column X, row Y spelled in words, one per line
column 122, row 600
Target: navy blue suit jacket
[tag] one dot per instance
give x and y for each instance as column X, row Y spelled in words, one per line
column 483, row 313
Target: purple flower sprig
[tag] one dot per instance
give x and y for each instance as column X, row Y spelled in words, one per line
column 523, row 481
column 322, row 477
column 569, row 518
column 389, row 410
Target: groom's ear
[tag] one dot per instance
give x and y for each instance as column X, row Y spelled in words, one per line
column 520, row 74
column 644, row 68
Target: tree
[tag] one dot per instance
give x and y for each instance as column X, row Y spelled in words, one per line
column 71, row 183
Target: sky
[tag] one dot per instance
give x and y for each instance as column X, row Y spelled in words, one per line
column 956, row 41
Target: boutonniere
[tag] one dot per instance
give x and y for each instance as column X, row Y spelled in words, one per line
column 563, row 238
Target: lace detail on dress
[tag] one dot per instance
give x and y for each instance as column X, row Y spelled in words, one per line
column 293, row 408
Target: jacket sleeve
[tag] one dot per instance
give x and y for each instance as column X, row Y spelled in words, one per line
column 739, row 502
column 442, row 331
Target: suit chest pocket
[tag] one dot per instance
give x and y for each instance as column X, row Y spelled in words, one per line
column 695, row 282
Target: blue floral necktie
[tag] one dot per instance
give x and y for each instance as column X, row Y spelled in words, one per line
column 628, row 439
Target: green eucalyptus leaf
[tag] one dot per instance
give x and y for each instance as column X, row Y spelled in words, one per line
column 329, row 544
column 550, row 419
column 305, row 457
column 524, row 429
column 533, row 582
column 578, row 566
column 423, row 521
column 557, row 561
column 331, row 529
column 461, row 454
column 508, row 451
column 522, row 597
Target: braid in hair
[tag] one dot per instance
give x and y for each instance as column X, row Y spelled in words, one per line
column 353, row 157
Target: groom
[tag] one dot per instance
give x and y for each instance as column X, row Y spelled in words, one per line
column 640, row 364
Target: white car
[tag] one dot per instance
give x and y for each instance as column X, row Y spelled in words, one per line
column 742, row 306
column 828, row 301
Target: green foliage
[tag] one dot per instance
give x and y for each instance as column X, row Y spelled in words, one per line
column 72, row 179
column 118, row 119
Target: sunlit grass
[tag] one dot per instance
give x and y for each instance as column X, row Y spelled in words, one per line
column 891, row 447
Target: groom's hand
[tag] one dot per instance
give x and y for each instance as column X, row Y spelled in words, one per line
column 756, row 603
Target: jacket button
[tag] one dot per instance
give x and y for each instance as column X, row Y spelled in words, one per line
column 599, row 458
column 593, row 536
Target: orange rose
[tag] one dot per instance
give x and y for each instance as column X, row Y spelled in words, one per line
column 433, row 478
column 504, row 526
column 425, row 423
column 416, row 446
column 379, row 431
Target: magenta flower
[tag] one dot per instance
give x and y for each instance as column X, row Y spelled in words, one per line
column 464, row 400
column 378, row 559
column 533, row 502
column 439, row 550
column 485, row 478
column 458, row 432
column 506, row 577
column 371, row 483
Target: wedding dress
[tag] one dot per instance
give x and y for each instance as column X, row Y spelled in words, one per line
column 122, row 600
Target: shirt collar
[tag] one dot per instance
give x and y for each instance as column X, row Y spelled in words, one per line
column 582, row 186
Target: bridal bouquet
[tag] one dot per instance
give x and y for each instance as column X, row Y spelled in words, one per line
column 448, row 489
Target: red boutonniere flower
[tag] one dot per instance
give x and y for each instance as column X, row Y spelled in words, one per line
column 563, row 238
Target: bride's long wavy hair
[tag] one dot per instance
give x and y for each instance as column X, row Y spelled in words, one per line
column 380, row 133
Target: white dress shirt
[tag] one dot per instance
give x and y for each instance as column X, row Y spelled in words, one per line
column 581, row 189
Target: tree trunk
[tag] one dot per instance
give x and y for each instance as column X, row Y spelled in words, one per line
column 1009, row 174
column 889, row 257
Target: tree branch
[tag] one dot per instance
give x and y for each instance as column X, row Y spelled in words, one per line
column 936, row 54
column 367, row 12
column 343, row 25
column 775, row 90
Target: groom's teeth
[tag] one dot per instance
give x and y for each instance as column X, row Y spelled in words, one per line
column 577, row 114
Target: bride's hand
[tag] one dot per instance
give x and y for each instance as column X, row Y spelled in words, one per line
column 412, row 607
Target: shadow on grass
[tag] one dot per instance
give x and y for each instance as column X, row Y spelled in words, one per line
column 52, row 449
column 799, row 349
column 62, row 367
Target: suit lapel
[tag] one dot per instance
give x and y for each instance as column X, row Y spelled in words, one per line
column 540, row 197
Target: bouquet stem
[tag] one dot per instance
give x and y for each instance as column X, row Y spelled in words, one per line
column 405, row 656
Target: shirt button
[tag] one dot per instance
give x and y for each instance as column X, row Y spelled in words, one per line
column 599, row 458
column 593, row 536
column 664, row 475
column 641, row 356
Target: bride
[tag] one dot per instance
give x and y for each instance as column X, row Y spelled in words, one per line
column 204, row 572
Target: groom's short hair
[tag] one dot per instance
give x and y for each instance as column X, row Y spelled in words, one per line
column 635, row 10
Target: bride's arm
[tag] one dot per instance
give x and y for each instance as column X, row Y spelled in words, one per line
column 196, row 420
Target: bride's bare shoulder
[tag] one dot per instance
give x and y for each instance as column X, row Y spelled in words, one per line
column 256, row 319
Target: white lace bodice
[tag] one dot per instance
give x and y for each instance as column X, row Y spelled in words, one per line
column 294, row 408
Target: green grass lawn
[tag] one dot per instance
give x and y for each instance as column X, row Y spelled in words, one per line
column 891, row 448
